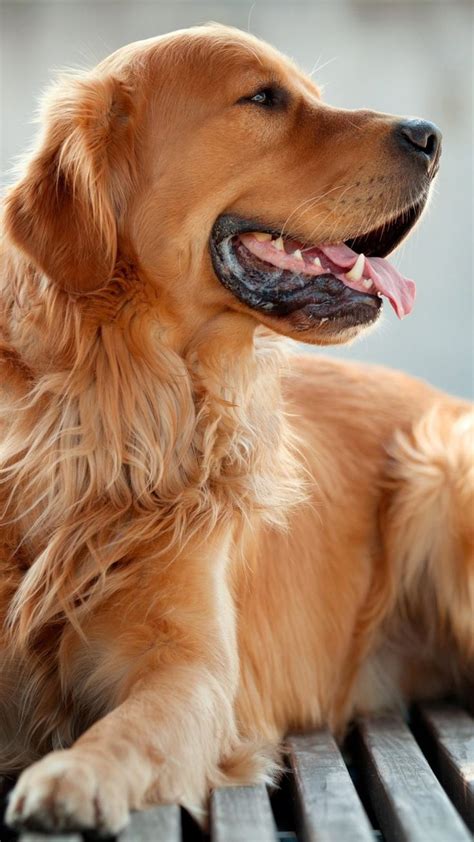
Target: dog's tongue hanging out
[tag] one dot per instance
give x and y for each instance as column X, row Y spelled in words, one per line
column 364, row 274
column 386, row 279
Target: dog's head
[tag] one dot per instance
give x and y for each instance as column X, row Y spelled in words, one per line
column 210, row 163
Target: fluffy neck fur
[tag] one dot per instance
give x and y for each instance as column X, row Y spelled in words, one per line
column 121, row 447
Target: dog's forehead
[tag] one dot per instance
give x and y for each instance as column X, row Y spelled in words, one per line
column 238, row 53
column 215, row 50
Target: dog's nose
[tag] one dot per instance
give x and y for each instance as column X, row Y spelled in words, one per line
column 421, row 138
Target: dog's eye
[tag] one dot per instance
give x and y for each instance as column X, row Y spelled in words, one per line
column 269, row 97
column 263, row 97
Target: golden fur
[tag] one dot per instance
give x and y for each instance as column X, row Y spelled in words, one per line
column 205, row 541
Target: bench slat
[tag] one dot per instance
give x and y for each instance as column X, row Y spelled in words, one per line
column 160, row 823
column 451, row 733
column 242, row 814
column 41, row 837
column 409, row 802
column 328, row 805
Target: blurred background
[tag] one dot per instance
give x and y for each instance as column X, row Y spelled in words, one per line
column 410, row 57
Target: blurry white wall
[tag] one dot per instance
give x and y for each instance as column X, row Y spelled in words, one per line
column 410, row 58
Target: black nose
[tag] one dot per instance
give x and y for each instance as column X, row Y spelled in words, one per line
column 420, row 138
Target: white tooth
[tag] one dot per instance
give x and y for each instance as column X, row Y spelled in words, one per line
column 261, row 236
column 367, row 283
column 355, row 273
column 279, row 244
column 324, row 320
column 317, row 262
column 298, row 254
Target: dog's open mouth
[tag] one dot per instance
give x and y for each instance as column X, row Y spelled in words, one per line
column 279, row 275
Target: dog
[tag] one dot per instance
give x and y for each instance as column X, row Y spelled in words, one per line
column 208, row 540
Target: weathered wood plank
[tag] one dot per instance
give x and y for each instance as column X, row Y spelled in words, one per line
column 328, row 806
column 451, row 734
column 160, row 824
column 242, row 814
column 410, row 804
column 55, row 837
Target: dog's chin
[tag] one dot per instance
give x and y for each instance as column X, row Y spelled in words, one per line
column 318, row 309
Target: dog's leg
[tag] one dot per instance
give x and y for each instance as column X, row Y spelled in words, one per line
column 164, row 742
column 424, row 574
column 430, row 528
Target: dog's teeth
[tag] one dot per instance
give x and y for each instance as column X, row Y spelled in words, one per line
column 324, row 320
column 355, row 273
column 298, row 254
column 278, row 243
column 317, row 262
column 367, row 283
column 262, row 236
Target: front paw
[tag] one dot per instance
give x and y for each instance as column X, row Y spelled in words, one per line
column 65, row 791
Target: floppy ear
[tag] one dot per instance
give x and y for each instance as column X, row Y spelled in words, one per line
column 63, row 212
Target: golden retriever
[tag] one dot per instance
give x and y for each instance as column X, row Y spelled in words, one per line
column 207, row 541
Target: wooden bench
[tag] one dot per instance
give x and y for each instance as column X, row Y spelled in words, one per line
column 393, row 782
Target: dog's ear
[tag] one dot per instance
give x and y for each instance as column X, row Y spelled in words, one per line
column 63, row 213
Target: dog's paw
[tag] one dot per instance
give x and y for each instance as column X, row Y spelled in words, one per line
column 65, row 792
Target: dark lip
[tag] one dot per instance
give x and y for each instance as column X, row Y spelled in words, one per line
column 382, row 240
column 378, row 242
column 282, row 293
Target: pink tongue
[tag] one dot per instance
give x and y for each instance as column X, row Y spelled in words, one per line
column 400, row 291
